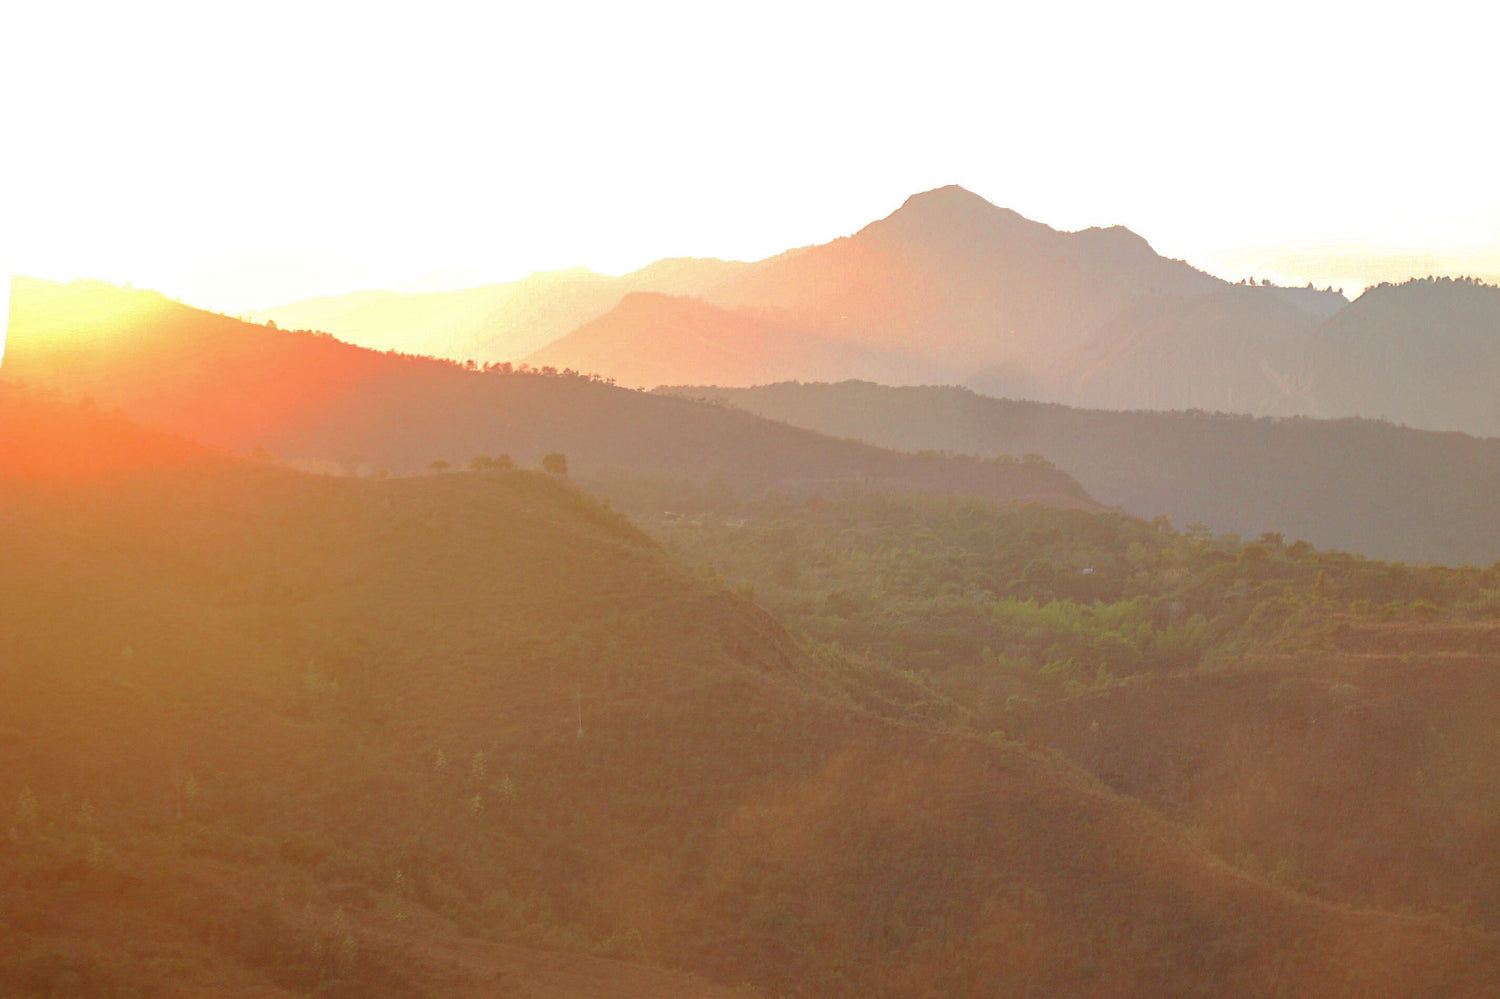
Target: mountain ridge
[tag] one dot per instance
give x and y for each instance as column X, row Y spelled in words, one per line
column 1353, row 484
column 312, row 399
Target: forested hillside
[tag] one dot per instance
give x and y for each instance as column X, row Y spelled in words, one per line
column 1320, row 721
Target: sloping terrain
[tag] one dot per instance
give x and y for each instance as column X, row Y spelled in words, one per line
column 315, row 401
column 649, row 340
column 1424, row 353
column 1355, row 485
column 270, row 733
column 503, row 322
column 1239, row 350
column 1316, row 719
column 1363, row 770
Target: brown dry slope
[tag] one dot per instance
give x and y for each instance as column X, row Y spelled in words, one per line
column 1365, row 771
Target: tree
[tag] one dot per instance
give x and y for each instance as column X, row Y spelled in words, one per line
column 439, row 466
column 556, row 463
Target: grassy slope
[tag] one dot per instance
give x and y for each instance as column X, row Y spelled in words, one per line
column 249, row 674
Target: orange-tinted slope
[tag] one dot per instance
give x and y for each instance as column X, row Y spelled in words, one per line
column 1363, row 771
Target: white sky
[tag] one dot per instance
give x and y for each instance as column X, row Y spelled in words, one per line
column 241, row 156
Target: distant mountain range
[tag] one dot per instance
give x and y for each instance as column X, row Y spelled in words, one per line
column 320, row 403
column 951, row 289
column 1356, row 485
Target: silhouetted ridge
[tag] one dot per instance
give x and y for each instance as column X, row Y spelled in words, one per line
column 309, row 398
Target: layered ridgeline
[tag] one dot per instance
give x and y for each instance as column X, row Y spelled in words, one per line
column 312, row 400
column 948, row 288
column 272, row 733
column 952, row 289
column 1356, row 485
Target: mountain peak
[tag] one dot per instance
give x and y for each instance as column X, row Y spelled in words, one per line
column 953, row 201
column 951, row 216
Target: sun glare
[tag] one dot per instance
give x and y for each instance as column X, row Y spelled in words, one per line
column 82, row 316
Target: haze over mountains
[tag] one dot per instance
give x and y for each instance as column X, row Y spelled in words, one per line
column 314, row 401
column 951, row 289
column 1356, row 485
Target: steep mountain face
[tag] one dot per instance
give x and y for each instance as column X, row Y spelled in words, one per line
column 313, row 400
column 965, row 282
column 1424, row 353
column 946, row 286
column 271, row 733
column 1355, row 485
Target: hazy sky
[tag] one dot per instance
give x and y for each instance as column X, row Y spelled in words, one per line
column 240, row 156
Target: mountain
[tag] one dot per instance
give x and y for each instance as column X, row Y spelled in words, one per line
column 271, row 733
column 952, row 289
column 1356, row 485
column 320, row 403
column 947, row 288
column 651, row 339
column 1237, row 350
column 492, row 323
column 1424, row 353
column 962, row 282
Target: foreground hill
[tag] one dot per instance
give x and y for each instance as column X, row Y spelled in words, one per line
column 313, row 400
column 1356, row 485
column 268, row 733
column 1316, row 719
column 1362, row 770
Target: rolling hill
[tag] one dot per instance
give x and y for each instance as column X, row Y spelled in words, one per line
column 270, row 733
column 314, row 401
column 1316, row 719
column 1355, row 485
